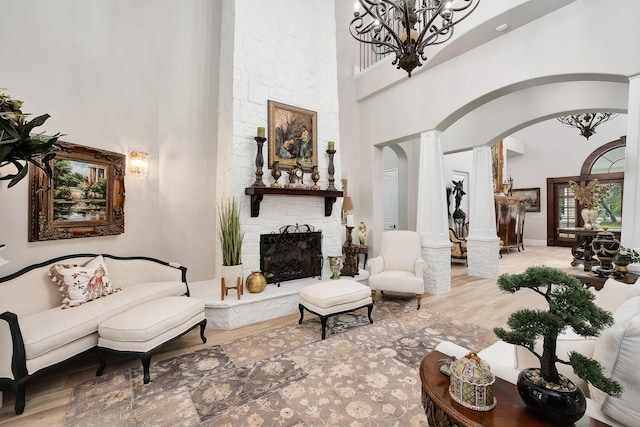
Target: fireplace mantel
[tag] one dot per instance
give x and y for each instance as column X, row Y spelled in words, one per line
column 257, row 193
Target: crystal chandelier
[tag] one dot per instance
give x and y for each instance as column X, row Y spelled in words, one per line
column 406, row 27
column 586, row 122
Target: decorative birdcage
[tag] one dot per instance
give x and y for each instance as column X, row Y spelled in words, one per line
column 472, row 383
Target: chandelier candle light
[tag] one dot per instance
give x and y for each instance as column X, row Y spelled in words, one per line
column 407, row 27
column 586, row 122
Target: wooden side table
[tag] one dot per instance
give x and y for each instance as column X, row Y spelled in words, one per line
column 362, row 250
column 443, row 411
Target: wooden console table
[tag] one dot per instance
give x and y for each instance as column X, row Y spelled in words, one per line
column 443, row 411
column 257, row 194
column 582, row 251
column 590, row 279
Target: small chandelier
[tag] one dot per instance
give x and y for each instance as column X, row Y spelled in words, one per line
column 586, row 122
column 406, row 27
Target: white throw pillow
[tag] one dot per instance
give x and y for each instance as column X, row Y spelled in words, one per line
column 82, row 283
column 614, row 293
column 617, row 350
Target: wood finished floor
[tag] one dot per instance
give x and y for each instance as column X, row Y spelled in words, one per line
column 471, row 299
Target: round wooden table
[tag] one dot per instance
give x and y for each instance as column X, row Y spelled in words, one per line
column 443, row 411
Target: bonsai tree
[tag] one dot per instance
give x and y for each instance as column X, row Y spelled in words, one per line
column 231, row 235
column 570, row 306
column 18, row 146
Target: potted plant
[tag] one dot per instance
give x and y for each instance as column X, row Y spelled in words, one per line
column 570, row 306
column 18, row 146
column 625, row 257
column 231, row 237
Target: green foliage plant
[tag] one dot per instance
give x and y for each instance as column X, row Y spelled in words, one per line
column 570, row 306
column 231, row 235
column 630, row 256
column 18, row 145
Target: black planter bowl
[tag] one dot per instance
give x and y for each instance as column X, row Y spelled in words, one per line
column 559, row 407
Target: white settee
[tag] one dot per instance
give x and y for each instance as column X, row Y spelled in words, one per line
column 37, row 333
column 616, row 349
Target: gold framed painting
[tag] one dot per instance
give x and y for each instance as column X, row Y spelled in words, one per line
column 531, row 197
column 85, row 197
column 497, row 165
column 293, row 136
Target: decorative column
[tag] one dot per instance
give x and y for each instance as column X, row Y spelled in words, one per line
column 431, row 220
column 482, row 242
column 630, row 237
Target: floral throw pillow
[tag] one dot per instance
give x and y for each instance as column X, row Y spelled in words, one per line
column 82, row 283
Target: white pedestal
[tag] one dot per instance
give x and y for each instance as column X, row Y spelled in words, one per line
column 273, row 302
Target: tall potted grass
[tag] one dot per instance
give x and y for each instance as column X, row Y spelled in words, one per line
column 231, row 236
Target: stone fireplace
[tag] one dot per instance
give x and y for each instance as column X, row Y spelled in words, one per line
column 294, row 252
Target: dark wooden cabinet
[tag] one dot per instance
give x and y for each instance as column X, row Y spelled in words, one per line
column 510, row 213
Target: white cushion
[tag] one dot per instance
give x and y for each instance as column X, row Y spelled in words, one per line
column 397, row 281
column 47, row 330
column 338, row 308
column 614, row 293
column 148, row 320
column 400, row 249
column 333, row 293
column 617, row 350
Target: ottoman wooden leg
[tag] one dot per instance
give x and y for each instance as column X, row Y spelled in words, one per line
column 146, row 361
column 323, row 321
column 301, row 308
column 102, row 358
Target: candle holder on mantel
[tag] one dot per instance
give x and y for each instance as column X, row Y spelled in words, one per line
column 331, row 170
column 259, row 162
column 350, row 263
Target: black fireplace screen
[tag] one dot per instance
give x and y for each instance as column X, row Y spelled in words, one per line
column 293, row 253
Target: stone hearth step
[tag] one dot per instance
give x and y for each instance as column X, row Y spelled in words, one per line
column 269, row 304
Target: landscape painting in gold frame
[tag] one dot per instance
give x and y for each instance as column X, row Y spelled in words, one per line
column 85, row 198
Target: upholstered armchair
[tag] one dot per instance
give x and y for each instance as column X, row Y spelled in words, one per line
column 458, row 246
column 399, row 267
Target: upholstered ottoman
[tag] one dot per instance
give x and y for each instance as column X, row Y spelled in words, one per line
column 331, row 297
column 145, row 328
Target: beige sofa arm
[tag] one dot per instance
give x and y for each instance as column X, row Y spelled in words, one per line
column 419, row 266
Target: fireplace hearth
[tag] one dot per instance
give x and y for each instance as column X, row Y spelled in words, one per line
column 294, row 252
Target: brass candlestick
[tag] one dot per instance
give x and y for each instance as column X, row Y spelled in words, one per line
column 259, row 162
column 331, row 171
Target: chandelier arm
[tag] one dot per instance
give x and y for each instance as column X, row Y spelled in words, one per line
column 377, row 10
column 432, row 38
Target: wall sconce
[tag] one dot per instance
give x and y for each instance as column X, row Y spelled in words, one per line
column 2, row 260
column 138, row 163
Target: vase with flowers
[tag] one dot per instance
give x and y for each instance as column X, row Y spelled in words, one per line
column 18, row 145
column 589, row 197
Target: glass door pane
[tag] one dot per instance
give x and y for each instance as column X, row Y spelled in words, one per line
column 610, row 208
column 566, row 214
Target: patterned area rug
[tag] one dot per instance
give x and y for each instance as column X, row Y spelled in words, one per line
column 361, row 375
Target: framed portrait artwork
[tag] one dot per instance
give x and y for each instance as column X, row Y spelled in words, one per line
column 293, row 136
column 531, row 197
column 85, row 198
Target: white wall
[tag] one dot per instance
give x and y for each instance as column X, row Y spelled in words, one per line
column 120, row 75
column 271, row 61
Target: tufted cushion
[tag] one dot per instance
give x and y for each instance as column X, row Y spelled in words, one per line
column 617, row 351
column 82, row 283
